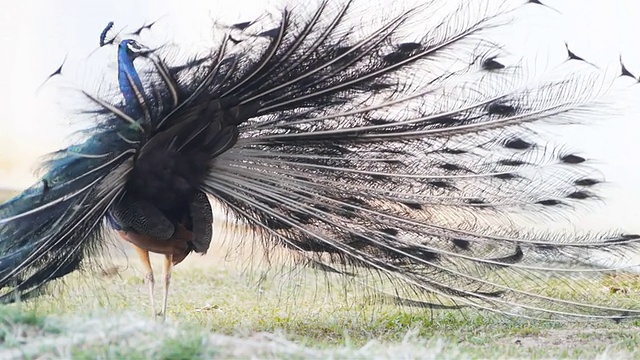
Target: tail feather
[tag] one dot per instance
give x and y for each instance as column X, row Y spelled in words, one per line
column 46, row 231
column 409, row 163
column 354, row 159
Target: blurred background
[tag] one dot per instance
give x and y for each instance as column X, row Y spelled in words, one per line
column 36, row 36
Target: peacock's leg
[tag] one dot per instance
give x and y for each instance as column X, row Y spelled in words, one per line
column 146, row 263
column 168, row 266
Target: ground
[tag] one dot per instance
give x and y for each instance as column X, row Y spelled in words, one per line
column 229, row 304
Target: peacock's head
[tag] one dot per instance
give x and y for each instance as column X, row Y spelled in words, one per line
column 128, row 47
column 133, row 48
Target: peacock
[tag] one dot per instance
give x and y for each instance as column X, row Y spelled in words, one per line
column 370, row 150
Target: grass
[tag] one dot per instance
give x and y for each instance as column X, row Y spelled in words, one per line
column 222, row 308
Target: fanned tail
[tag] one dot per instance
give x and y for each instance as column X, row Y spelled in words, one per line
column 373, row 155
column 47, row 231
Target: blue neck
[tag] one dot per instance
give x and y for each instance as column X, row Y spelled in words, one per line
column 128, row 79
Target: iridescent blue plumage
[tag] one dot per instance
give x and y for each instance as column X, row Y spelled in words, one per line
column 128, row 78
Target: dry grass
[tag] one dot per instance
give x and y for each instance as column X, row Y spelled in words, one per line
column 233, row 306
column 220, row 308
column 131, row 336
